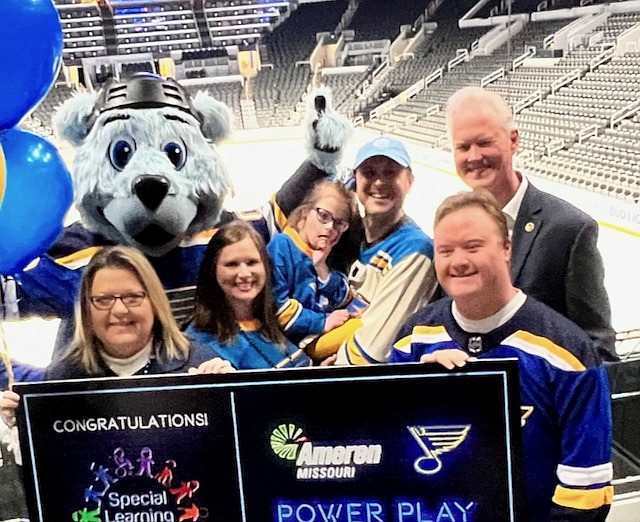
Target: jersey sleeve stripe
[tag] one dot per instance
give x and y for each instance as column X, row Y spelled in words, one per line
column 584, row 477
column 78, row 259
column 288, row 313
column 545, row 348
column 583, row 498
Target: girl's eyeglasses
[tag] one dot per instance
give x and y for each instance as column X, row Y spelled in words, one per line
column 324, row 217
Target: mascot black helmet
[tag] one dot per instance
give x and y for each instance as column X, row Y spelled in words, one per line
column 142, row 91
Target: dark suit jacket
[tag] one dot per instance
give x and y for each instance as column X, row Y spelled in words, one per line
column 556, row 260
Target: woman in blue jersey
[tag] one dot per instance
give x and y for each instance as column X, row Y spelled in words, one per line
column 235, row 313
column 308, row 292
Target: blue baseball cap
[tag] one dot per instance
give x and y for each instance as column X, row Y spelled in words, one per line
column 383, row 146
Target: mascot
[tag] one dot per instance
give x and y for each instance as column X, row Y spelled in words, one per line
column 147, row 174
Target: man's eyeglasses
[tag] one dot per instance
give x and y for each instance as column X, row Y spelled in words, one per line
column 324, row 216
column 106, row 301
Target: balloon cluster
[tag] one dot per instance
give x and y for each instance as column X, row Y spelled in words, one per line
column 35, row 186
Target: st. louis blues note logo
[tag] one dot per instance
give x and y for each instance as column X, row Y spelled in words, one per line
column 435, row 440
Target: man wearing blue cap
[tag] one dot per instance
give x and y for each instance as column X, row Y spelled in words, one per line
column 393, row 276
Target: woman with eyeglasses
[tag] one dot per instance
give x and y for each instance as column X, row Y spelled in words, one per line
column 124, row 324
column 124, row 327
column 310, row 294
column 235, row 313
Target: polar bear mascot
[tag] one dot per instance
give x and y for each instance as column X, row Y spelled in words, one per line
column 147, row 173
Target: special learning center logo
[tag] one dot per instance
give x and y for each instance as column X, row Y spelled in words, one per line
column 322, row 462
column 134, row 488
column 435, row 440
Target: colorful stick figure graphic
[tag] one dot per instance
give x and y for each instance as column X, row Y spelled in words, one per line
column 92, row 496
column 193, row 513
column 145, row 460
column 122, row 472
column 166, row 475
column 187, row 489
column 124, row 466
column 84, row 515
column 102, row 474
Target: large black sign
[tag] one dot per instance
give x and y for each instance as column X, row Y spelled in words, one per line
column 392, row 443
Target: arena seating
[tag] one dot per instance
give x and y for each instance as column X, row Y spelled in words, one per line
column 83, row 33
column 159, row 27
column 277, row 91
column 232, row 23
column 374, row 20
column 552, row 125
column 565, row 121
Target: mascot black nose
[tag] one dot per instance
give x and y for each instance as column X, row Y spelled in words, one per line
column 151, row 190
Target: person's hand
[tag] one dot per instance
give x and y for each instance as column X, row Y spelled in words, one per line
column 8, row 405
column 215, row 365
column 329, row 361
column 335, row 319
column 448, row 358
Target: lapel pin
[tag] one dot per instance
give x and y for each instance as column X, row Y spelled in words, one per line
column 529, row 227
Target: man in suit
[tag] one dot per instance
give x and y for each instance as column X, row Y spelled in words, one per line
column 555, row 255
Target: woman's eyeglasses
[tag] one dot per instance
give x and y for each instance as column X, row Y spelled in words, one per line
column 106, row 301
column 324, row 216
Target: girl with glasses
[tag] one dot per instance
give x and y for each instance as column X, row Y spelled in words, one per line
column 309, row 293
column 235, row 313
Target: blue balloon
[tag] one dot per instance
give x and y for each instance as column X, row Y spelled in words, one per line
column 31, row 43
column 37, row 196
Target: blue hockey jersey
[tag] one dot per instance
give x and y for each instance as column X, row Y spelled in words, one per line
column 303, row 300
column 567, row 437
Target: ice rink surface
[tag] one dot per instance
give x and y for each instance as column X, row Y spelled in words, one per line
column 259, row 161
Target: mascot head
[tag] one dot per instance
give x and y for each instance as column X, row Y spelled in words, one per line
column 146, row 172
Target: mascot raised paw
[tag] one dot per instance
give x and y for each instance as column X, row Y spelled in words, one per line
column 147, row 174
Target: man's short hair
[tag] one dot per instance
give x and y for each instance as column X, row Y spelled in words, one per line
column 480, row 198
column 482, row 98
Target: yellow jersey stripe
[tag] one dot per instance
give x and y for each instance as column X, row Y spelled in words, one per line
column 545, row 348
column 3, row 173
column 299, row 242
column 288, row 313
column 583, row 498
column 430, row 334
column 201, row 238
column 78, row 259
column 278, row 214
column 356, row 355
column 404, row 344
column 251, row 325
column 329, row 343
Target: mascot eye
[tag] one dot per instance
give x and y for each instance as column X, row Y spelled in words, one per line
column 120, row 153
column 177, row 153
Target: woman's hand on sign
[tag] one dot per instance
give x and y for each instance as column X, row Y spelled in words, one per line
column 215, row 365
column 8, row 405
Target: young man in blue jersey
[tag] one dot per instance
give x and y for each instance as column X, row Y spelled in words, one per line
column 567, row 436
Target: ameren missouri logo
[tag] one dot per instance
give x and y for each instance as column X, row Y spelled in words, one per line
column 315, row 462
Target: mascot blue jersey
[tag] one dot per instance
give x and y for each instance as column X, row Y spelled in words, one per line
column 303, row 300
column 50, row 285
column 564, row 392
